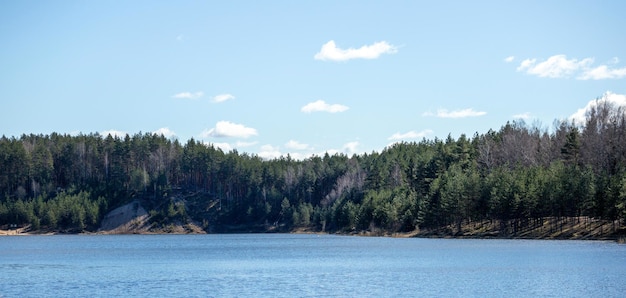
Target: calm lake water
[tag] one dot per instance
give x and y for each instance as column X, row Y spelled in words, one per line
column 286, row 265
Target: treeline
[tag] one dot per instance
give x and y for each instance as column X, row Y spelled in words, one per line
column 517, row 176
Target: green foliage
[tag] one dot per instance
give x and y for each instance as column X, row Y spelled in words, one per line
column 63, row 182
column 64, row 211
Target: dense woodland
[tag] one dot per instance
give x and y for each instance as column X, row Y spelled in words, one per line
column 516, row 176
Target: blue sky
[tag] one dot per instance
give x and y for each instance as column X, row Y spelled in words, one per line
column 304, row 77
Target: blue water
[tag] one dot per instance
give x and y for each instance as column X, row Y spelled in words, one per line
column 285, row 265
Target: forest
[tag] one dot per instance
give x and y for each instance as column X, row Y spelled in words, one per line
column 516, row 176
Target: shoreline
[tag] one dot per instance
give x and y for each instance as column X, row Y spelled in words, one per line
column 619, row 240
column 546, row 229
column 622, row 240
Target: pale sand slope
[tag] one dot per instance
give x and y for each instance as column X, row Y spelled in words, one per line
column 19, row 231
column 130, row 218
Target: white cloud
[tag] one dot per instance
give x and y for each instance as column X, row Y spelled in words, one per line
column 330, row 51
column 522, row 116
column 300, row 156
column 603, row 72
column 226, row 147
column 240, row 144
column 610, row 97
column 509, row 59
column 330, row 152
column 229, row 129
column 443, row 113
column 350, row 148
column 189, row 95
column 222, row 97
column 410, row 135
column 166, row 132
column 322, row 106
column 113, row 133
column 269, row 152
column 295, row 145
column 558, row 66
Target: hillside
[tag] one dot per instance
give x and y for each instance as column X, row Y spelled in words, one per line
column 182, row 213
column 518, row 175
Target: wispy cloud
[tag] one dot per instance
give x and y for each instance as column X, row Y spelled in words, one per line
column 443, row 113
column 166, row 132
column 295, row 145
column 188, row 95
column 410, row 135
column 113, row 133
column 229, row 129
column 222, row 97
column 559, row 66
column 608, row 97
column 522, row 116
column 322, row 106
column 509, row 59
column 330, row 51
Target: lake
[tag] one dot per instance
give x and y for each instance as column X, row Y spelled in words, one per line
column 295, row 265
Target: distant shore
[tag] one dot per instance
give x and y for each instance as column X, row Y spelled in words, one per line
column 567, row 228
column 18, row 231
